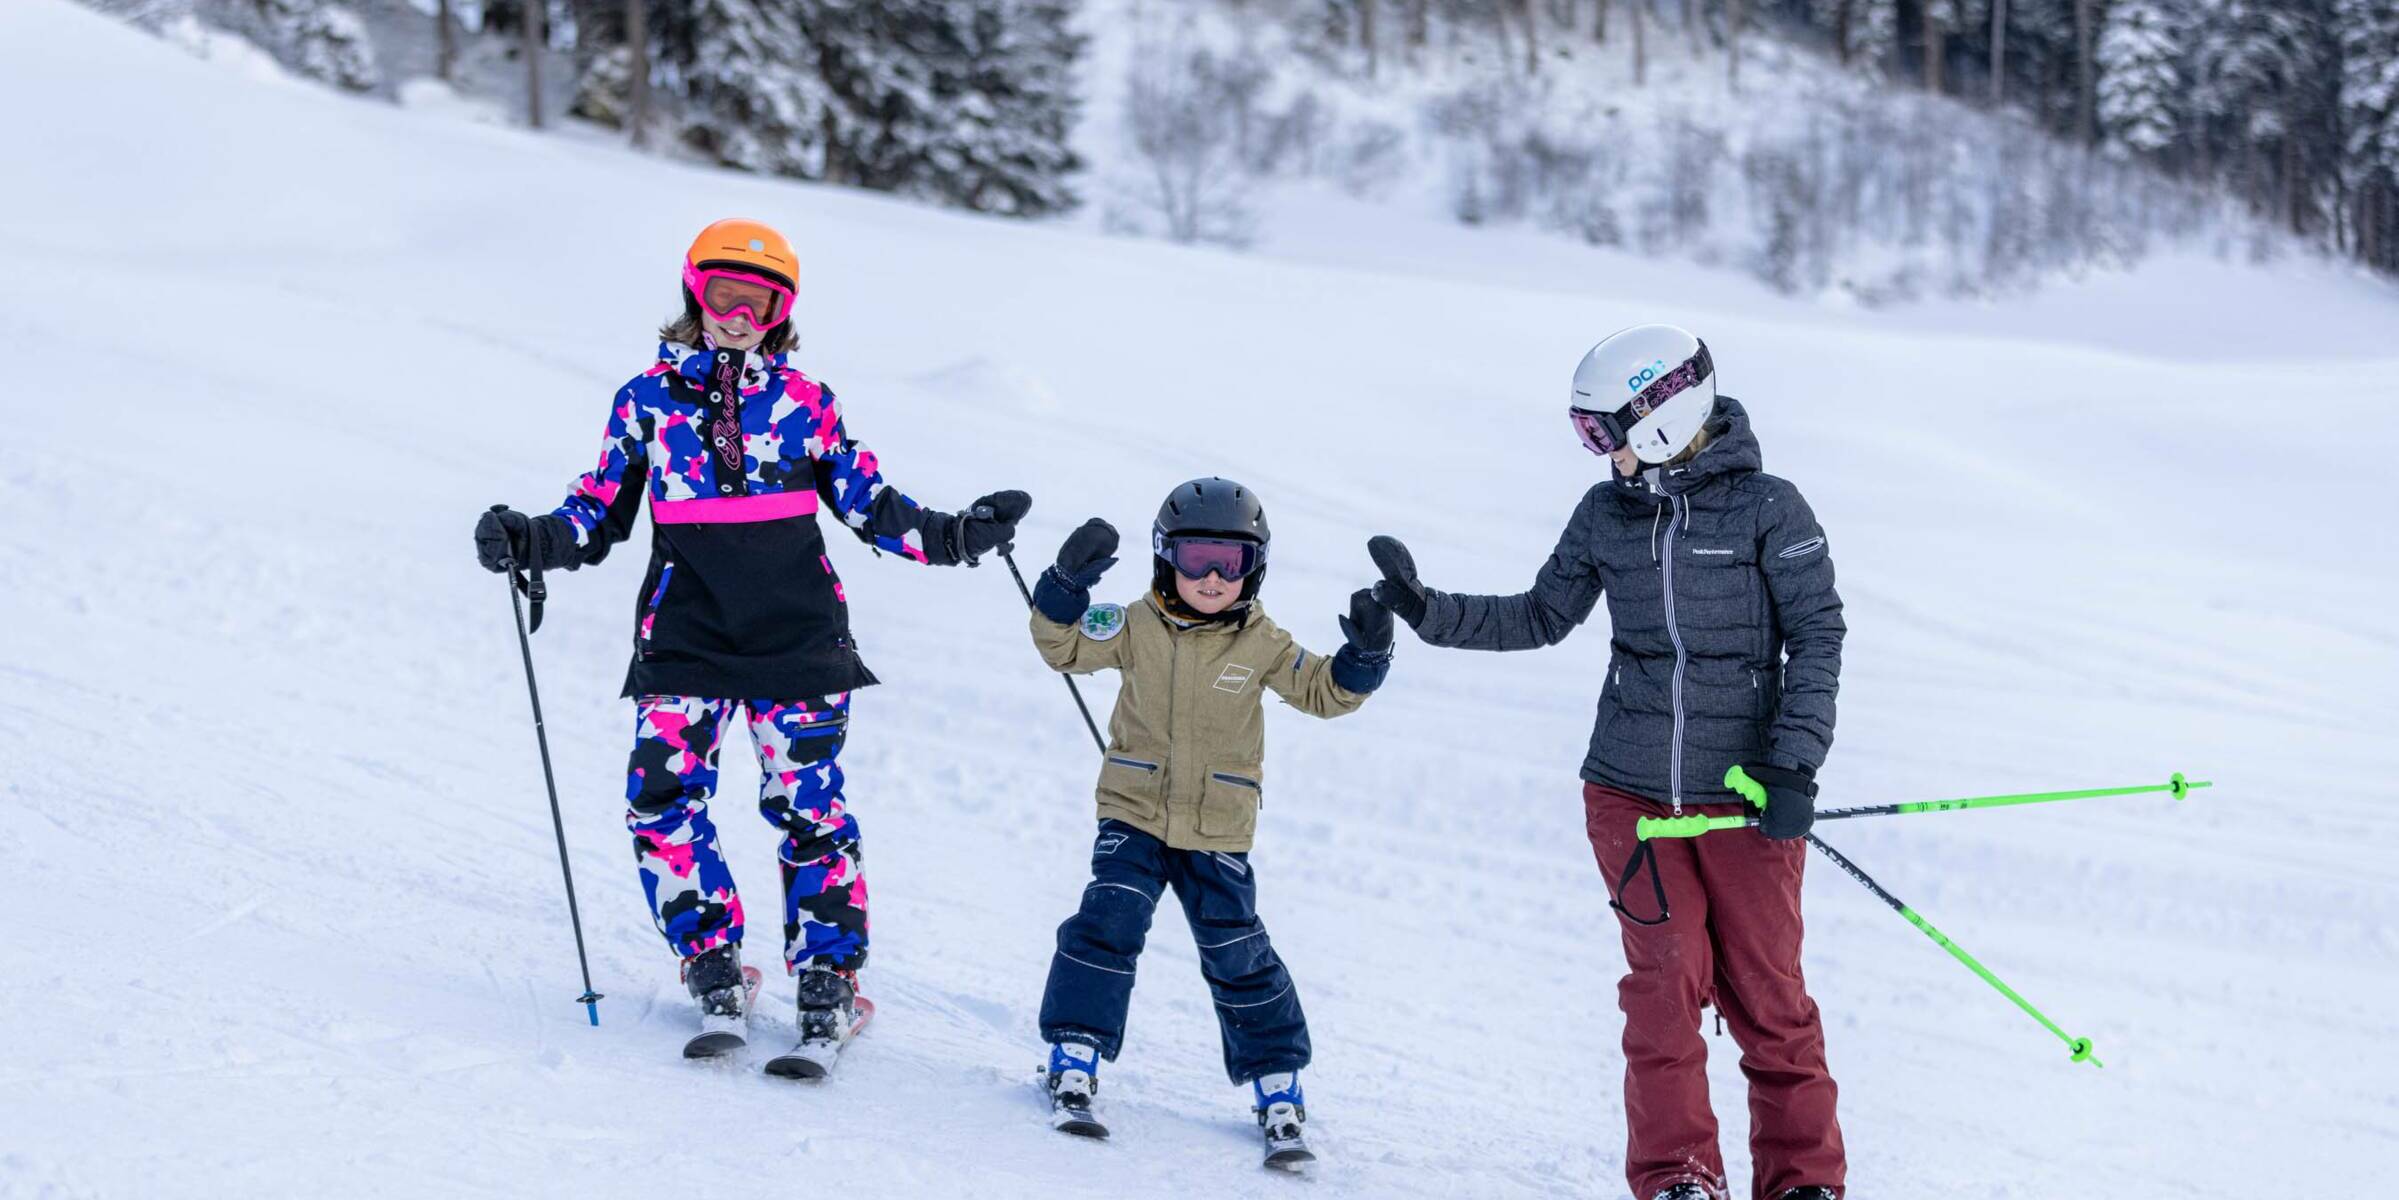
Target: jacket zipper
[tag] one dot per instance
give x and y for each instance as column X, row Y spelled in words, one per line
column 1166, row 779
column 1240, row 782
column 1674, row 769
column 1134, row 763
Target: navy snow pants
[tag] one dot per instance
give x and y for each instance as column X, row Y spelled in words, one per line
column 1091, row 977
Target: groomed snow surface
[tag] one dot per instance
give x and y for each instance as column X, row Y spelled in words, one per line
column 286, row 902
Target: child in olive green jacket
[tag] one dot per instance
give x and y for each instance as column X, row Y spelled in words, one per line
column 1181, row 787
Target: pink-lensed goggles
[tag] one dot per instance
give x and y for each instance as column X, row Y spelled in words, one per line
column 726, row 293
column 1230, row 559
column 1605, row 433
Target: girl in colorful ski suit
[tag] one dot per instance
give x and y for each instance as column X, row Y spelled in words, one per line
column 1725, row 650
column 740, row 614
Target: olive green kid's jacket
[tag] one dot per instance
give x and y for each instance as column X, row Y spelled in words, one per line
column 1187, row 743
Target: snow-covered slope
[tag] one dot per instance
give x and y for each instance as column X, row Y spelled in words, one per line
column 287, row 908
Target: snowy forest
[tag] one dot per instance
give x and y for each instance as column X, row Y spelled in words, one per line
column 1887, row 148
column 357, row 849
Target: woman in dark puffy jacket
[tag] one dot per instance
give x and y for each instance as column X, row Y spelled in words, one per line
column 740, row 614
column 1725, row 651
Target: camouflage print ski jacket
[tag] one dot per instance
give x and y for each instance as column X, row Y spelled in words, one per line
column 1187, row 743
column 1724, row 627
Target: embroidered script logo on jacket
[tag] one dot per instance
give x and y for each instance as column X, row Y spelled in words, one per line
column 1235, row 678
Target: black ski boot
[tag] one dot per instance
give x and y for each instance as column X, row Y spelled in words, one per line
column 715, row 980
column 1686, row 1191
column 1812, row 1192
column 828, row 1015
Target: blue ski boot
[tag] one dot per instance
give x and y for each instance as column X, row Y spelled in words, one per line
column 1072, row 1079
column 1282, row 1114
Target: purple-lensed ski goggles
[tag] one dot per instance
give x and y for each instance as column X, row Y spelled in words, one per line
column 1608, row 432
column 1194, row 557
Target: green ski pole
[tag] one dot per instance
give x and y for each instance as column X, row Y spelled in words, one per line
column 2081, row 1046
column 1753, row 791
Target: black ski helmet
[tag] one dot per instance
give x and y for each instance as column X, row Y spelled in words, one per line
column 1214, row 505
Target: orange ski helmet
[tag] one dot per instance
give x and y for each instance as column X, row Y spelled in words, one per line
column 748, row 245
column 738, row 266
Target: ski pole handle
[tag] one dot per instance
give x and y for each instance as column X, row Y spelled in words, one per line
column 1699, row 823
column 1687, row 827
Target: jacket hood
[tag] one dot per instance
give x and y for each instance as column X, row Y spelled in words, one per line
column 1732, row 449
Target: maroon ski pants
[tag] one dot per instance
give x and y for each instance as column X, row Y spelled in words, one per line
column 1733, row 941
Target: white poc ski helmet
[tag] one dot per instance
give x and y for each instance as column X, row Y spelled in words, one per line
column 1651, row 388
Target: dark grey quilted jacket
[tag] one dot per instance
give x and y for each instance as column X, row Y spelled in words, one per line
column 1725, row 642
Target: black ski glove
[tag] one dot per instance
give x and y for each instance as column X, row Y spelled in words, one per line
column 1064, row 590
column 1088, row 553
column 504, row 536
column 990, row 523
column 1790, row 801
column 1365, row 659
column 1399, row 591
column 1368, row 625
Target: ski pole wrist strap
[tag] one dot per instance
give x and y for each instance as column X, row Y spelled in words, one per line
column 1644, row 855
column 528, row 581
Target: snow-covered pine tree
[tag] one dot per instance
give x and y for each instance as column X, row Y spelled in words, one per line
column 752, row 98
column 1006, row 148
column 2242, row 58
column 2369, row 103
column 2139, row 83
column 965, row 101
column 1874, row 34
column 320, row 39
column 1861, row 31
column 878, row 60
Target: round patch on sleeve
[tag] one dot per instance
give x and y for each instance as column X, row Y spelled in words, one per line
column 1103, row 621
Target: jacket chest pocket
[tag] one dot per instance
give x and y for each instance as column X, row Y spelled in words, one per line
column 1134, row 784
column 1229, row 803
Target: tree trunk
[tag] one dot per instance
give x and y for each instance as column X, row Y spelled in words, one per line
column 1841, row 18
column 2085, row 92
column 1734, row 12
column 1420, row 24
column 1691, row 16
column 637, row 40
column 1366, row 33
column 1934, row 35
column 1640, row 43
column 1998, row 52
column 445, row 55
column 1599, row 31
column 1532, row 36
column 536, row 16
column 2367, row 242
column 2290, row 184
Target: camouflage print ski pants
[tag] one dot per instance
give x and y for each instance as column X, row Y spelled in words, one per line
column 673, row 776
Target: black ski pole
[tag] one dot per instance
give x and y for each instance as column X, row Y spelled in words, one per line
column 534, row 589
column 2080, row 1047
column 1008, row 556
